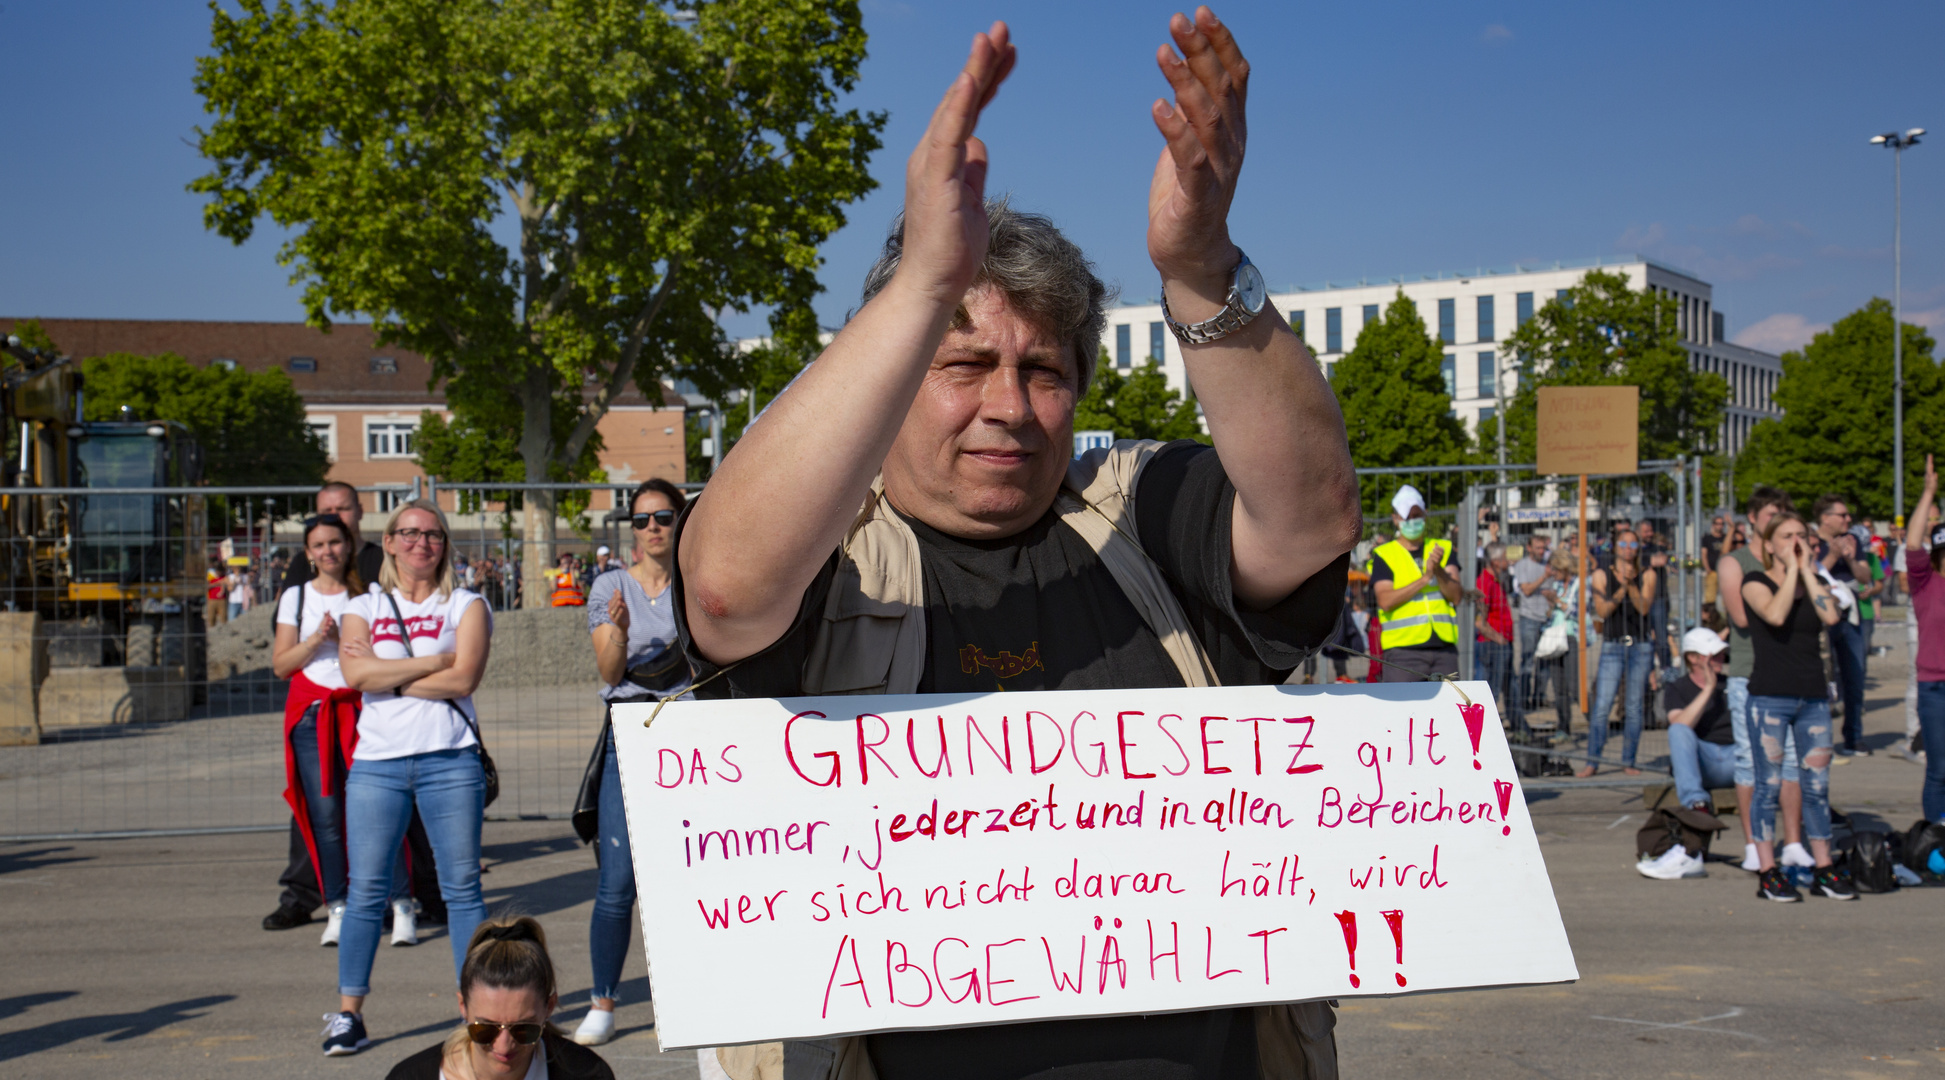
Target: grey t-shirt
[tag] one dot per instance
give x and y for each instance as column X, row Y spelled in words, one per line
column 1742, row 652
column 651, row 627
column 1535, row 606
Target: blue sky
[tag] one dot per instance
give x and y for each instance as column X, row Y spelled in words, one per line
column 1728, row 140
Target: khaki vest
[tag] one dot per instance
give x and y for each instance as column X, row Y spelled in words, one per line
column 872, row 641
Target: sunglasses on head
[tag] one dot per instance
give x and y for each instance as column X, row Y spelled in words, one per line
column 664, row 518
column 486, row 1032
column 322, row 519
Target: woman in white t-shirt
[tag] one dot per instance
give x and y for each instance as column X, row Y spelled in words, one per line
column 416, row 647
column 321, row 719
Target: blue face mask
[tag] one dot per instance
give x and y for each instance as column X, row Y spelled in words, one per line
column 1412, row 529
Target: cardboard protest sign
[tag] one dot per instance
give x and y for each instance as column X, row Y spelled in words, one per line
column 1588, row 429
column 820, row 866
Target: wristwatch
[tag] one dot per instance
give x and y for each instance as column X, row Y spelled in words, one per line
column 1246, row 300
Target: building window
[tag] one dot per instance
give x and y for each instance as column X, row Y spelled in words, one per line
column 1522, row 308
column 1296, row 325
column 1330, row 371
column 1370, row 315
column 1488, row 376
column 1155, row 332
column 223, row 362
column 1448, row 321
column 390, row 439
column 1487, row 413
column 1486, row 318
column 1565, row 296
column 1449, row 367
column 384, row 365
column 1123, row 346
column 389, row 501
column 326, row 430
column 1333, row 330
column 302, row 363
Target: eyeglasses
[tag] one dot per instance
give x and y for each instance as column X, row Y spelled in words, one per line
column 664, row 518
column 1836, row 513
column 486, row 1032
column 1627, row 544
column 432, row 537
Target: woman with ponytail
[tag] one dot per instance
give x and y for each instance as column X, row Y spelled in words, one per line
column 506, row 995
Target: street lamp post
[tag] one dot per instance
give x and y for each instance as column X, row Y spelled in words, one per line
column 1897, row 143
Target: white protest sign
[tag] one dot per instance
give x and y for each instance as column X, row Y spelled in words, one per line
column 819, row 866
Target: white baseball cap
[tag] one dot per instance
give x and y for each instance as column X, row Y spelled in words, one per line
column 1407, row 497
column 602, row 550
column 1703, row 640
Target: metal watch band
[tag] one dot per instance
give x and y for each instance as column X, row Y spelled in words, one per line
column 1231, row 318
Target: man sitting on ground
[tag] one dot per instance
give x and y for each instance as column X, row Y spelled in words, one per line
column 1701, row 741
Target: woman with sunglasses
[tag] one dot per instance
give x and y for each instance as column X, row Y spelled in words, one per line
column 417, row 647
column 632, row 618
column 321, row 719
column 1789, row 607
column 506, row 994
column 1621, row 594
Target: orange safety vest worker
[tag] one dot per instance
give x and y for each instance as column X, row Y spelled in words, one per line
column 566, row 592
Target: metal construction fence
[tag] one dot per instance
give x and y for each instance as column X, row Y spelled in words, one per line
column 135, row 701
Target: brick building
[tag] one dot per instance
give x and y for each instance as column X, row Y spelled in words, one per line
column 363, row 398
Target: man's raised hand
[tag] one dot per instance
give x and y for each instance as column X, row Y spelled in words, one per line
column 945, row 179
column 1195, row 177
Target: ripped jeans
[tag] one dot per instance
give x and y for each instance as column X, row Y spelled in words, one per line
column 1808, row 720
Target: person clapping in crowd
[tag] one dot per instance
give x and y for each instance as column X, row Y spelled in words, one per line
column 417, row 648
column 321, row 719
column 1790, row 607
column 1924, row 561
column 506, row 995
column 632, row 618
column 1844, row 573
column 1623, row 595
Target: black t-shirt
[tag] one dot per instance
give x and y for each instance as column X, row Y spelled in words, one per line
column 1711, row 551
column 1789, row 658
column 371, row 558
column 1038, row 611
column 1713, row 725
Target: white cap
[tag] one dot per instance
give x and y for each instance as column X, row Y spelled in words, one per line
column 1407, row 498
column 602, row 550
column 1703, row 640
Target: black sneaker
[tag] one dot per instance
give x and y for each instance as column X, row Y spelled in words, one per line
column 1772, row 885
column 1833, row 883
column 344, row 1033
column 287, row 917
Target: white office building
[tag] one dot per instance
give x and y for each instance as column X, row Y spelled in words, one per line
column 1469, row 313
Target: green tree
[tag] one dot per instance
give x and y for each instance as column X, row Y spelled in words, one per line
column 1606, row 334
column 766, row 369
column 1836, row 431
column 250, row 424
column 1139, row 405
column 1391, row 387
column 656, row 169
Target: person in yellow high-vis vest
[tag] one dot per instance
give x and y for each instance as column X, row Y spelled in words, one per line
column 1417, row 591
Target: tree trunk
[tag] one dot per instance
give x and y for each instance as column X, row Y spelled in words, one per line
column 537, row 519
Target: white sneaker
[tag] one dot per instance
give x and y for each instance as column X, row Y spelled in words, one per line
column 405, row 922
column 1749, row 860
column 1673, row 863
column 1795, row 855
column 333, row 923
column 597, row 1027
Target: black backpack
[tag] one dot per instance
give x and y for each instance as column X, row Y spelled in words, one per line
column 1666, row 827
column 1921, row 841
column 1869, row 859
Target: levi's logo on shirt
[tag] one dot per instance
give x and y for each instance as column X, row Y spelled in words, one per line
column 422, row 626
column 1004, row 665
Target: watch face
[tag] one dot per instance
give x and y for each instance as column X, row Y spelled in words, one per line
column 1250, row 290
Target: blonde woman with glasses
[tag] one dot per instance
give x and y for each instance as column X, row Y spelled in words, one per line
column 416, row 647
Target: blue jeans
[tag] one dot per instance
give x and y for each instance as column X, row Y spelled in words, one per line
column 613, row 923
column 1770, row 719
column 450, row 791
column 1847, row 645
column 236, row 610
column 1529, row 631
column 1738, row 697
column 1492, row 661
column 1619, row 661
column 1931, row 728
column 326, row 814
column 1697, row 765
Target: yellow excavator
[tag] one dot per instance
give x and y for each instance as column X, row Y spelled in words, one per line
column 116, row 577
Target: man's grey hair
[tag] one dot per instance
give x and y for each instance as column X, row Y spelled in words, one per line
column 1495, row 550
column 1041, row 272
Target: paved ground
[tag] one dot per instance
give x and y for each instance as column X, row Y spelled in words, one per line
column 143, row 957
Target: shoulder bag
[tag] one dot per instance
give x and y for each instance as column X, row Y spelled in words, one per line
column 491, row 771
